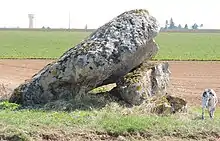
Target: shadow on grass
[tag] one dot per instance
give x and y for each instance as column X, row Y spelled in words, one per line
column 97, row 99
column 88, row 102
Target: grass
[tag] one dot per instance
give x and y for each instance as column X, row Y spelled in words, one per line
column 37, row 44
column 32, row 124
column 188, row 46
column 52, row 44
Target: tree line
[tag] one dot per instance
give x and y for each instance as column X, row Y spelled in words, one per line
column 171, row 25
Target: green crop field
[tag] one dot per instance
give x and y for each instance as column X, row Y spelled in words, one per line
column 189, row 46
column 52, row 44
column 37, row 44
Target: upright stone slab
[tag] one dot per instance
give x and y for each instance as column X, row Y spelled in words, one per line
column 107, row 54
column 147, row 80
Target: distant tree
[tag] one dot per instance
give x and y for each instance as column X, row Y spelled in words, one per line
column 166, row 24
column 186, row 26
column 195, row 26
column 179, row 26
column 172, row 24
column 201, row 25
column 43, row 27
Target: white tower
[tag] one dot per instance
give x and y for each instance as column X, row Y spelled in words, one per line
column 31, row 21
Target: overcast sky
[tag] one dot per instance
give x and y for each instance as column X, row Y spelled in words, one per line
column 55, row 13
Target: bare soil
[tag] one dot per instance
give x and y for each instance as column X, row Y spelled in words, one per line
column 188, row 78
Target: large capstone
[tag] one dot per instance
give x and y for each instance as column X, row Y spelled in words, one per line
column 106, row 55
column 147, row 80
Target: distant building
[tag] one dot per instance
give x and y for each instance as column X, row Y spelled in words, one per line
column 31, row 20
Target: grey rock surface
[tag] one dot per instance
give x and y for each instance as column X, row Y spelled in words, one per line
column 147, row 80
column 110, row 52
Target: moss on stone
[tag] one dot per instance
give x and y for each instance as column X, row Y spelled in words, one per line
column 138, row 88
column 168, row 104
column 135, row 75
column 159, row 100
column 54, row 72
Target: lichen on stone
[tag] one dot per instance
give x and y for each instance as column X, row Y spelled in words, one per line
column 146, row 80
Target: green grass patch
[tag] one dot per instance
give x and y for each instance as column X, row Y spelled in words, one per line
column 31, row 124
column 5, row 105
column 52, row 44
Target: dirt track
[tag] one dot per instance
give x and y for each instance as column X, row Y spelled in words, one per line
column 188, row 78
